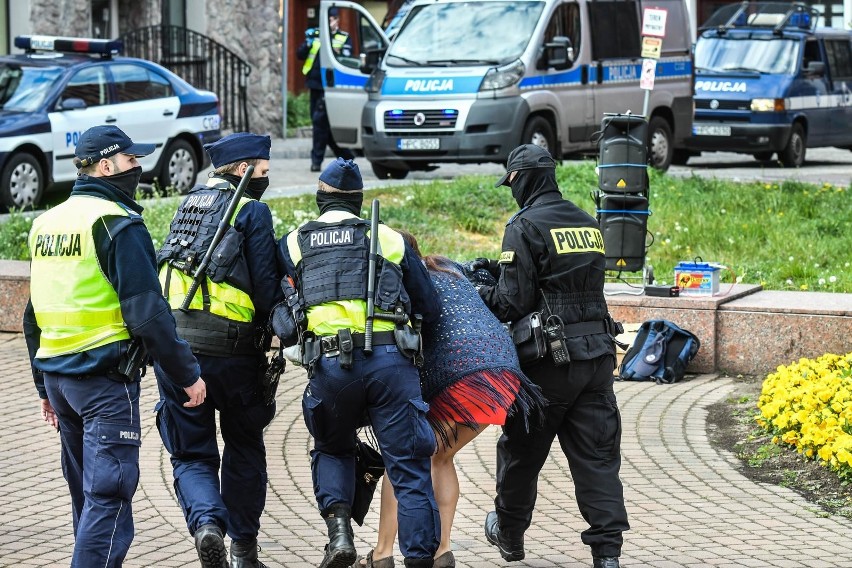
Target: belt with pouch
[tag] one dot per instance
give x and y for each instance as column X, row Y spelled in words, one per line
column 330, row 344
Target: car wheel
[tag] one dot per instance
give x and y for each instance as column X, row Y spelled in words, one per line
column 763, row 156
column 384, row 172
column 660, row 145
column 539, row 132
column 22, row 184
column 793, row 155
column 179, row 167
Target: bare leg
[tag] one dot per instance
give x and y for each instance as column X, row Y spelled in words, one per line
column 387, row 522
column 445, row 481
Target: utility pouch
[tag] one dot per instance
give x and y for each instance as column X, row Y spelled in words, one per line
column 528, row 337
column 310, row 354
column 133, row 360
column 409, row 343
column 228, row 262
column 345, row 345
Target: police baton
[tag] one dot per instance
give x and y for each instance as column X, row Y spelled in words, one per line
column 371, row 277
column 221, row 229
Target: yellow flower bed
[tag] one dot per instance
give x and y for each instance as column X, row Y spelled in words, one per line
column 808, row 405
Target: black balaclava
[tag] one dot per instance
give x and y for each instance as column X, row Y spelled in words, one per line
column 127, row 181
column 350, row 201
column 531, row 183
column 255, row 188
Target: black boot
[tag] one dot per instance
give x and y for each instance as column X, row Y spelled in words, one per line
column 605, row 562
column 419, row 562
column 211, row 547
column 244, row 554
column 511, row 549
column 340, row 550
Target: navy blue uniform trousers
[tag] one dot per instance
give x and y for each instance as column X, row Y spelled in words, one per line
column 386, row 386
column 189, row 434
column 583, row 414
column 321, row 131
column 101, row 434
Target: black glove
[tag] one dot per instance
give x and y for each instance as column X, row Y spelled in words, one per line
column 492, row 266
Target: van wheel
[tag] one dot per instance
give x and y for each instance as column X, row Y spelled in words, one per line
column 793, row 155
column 384, row 172
column 763, row 156
column 660, row 145
column 179, row 167
column 22, row 182
column 539, row 132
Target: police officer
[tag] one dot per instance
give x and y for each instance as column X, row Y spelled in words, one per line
column 224, row 325
column 329, row 260
column 93, row 289
column 341, row 44
column 553, row 260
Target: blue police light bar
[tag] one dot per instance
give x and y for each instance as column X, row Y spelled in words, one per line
column 69, row 44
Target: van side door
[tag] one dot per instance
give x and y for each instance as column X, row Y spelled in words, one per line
column 342, row 78
column 568, row 82
column 810, row 96
column 838, row 54
column 616, row 63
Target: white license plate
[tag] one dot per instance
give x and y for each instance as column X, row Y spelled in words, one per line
column 711, row 130
column 419, row 143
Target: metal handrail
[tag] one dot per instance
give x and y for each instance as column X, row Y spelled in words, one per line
column 201, row 61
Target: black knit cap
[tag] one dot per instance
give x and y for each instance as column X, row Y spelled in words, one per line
column 526, row 157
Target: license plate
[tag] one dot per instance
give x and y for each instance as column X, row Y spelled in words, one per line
column 419, row 143
column 711, row 130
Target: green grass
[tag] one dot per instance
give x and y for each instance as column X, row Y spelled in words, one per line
column 785, row 236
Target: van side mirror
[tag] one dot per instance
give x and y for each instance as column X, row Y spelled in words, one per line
column 558, row 53
column 370, row 60
column 815, row 69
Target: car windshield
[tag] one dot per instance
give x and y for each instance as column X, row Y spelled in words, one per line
column 465, row 33
column 23, row 89
column 727, row 54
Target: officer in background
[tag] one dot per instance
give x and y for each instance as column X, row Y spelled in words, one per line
column 308, row 52
column 552, row 260
column 225, row 326
column 328, row 259
column 93, row 289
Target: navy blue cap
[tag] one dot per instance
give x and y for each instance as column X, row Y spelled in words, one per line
column 237, row 147
column 104, row 141
column 333, row 12
column 342, row 175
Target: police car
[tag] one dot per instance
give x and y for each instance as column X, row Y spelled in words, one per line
column 62, row 86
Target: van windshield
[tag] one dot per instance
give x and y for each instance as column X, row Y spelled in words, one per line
column 726, row 54
column 465, row 33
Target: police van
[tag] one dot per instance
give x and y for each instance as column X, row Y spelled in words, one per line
column 60, row 87
column 768, row 80
column 467, row 81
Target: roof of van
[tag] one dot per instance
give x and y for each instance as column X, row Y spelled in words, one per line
column 771, row 16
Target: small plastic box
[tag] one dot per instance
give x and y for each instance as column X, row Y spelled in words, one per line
column 697, row 278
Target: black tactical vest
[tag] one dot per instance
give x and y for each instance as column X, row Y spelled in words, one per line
column 192, row 230
column 335, row 266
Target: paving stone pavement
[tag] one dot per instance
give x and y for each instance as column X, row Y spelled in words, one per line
column 688, row 506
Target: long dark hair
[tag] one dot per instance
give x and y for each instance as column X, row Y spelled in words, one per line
column 433, row 262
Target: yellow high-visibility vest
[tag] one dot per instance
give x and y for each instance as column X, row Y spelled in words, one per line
column 76, row 307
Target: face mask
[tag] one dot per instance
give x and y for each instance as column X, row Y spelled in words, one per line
column 127, row 181
column 256, row 187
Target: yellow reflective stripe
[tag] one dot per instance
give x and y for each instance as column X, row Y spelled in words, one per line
column 89, row 339
column 79, row 319
column 327, row 318
column 309, row 61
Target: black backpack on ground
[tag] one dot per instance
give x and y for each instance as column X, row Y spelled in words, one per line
column 660, row 352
